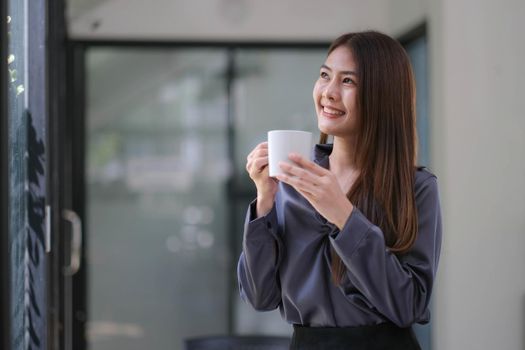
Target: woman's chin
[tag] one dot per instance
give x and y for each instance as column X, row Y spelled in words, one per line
column 326, row 129
column 336, row 128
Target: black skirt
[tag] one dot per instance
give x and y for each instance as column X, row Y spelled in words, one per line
column 384, row 336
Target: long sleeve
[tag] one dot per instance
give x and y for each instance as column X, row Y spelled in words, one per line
column 398, row 287
column 257, row 270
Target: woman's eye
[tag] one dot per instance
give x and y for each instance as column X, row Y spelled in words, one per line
column 324, row 75
column 348, row 81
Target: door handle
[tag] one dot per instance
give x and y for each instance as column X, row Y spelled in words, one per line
column 76, row 241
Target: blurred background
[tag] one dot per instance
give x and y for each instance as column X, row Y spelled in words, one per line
column 128, row 125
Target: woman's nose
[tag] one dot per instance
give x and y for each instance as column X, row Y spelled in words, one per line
column 331, row 92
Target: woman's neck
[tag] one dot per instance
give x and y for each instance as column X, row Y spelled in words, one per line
column 342, row 158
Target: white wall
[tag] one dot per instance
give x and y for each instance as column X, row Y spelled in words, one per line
column 225, row 20
column 477, row 55
column 478, row 143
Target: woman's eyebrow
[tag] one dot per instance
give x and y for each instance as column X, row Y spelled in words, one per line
column 344, row 72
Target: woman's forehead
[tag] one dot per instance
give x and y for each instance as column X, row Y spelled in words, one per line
column 341, row 59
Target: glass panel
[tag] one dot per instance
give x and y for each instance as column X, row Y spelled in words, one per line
column 272, row 90
column 156, row 172
column 26, row 172
column 17, row 105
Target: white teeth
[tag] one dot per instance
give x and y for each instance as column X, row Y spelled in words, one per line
column 332, row 111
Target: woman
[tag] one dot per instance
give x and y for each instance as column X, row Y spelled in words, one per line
column 347, row 246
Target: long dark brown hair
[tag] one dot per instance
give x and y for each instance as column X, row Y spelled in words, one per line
column 386, row 139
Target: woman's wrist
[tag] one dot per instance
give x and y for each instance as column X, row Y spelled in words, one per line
column 346, row 211
column 264, row 205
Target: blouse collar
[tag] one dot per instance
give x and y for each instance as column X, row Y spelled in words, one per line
column 321, row 153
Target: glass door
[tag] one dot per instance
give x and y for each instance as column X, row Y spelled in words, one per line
column 157, row 254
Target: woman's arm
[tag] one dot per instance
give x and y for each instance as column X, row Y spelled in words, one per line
column 399, row 287
column 257, row 270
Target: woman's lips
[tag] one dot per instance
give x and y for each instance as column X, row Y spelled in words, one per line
column 331, row 112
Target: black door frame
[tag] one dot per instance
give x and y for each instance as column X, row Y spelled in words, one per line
column 65, row 331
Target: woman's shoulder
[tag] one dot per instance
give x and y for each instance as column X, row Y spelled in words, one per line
column 423, row 178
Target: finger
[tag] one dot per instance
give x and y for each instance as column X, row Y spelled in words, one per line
column 298, row 183
column 307, row 164
column 250, row 165
column 262, row 145
column 309, row 197
column 298, row 172
column 260, row 163
column 261, row 152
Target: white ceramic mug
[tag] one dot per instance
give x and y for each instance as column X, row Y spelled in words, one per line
column 283, row 142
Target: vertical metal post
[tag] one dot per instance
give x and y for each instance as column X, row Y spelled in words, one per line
column 231, row 185
column 74, row 190
column 56, row 115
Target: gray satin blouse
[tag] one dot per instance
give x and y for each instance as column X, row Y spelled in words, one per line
column 286, row 262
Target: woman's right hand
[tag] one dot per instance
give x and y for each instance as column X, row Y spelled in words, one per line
column 258, row 169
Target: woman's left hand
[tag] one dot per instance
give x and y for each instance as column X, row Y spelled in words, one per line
column 319, row 186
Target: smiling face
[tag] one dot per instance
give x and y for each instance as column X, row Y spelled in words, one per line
column 335, row 94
